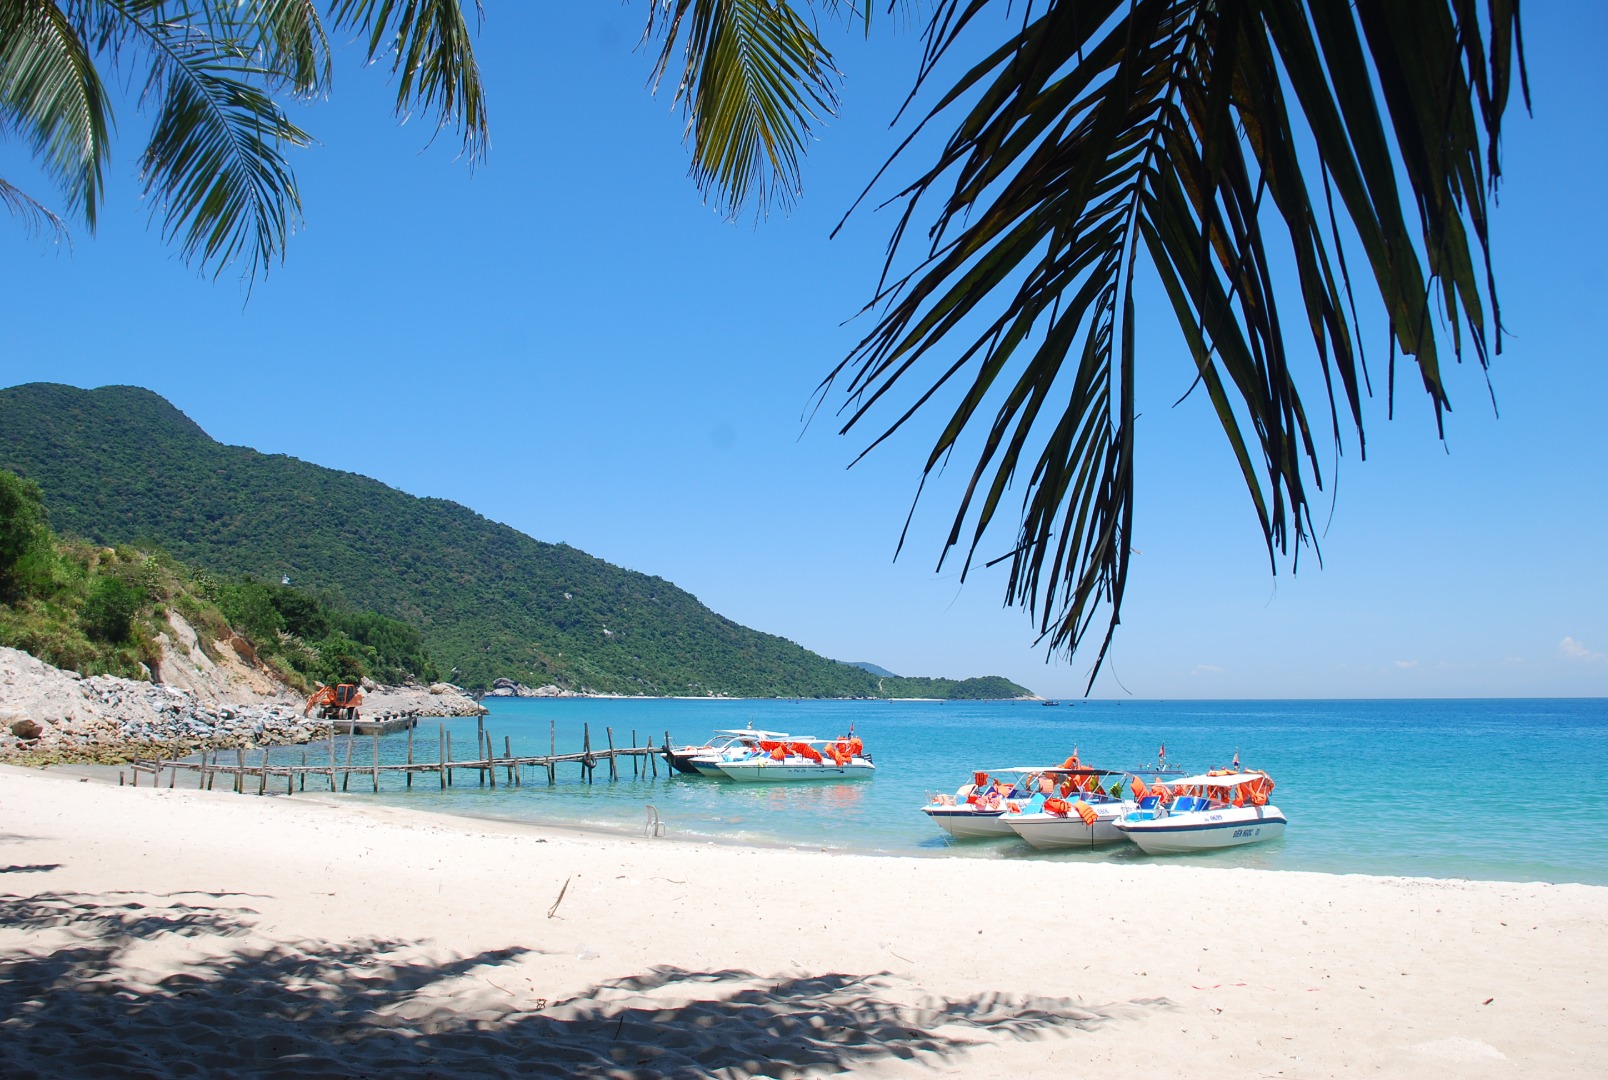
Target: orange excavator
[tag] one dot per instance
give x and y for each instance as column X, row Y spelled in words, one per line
column 336, row 702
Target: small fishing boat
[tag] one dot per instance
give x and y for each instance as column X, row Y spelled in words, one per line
column 1218, row 809
column 780, row 761
column 680, row 757
column 1081, row 810
column 978, row 809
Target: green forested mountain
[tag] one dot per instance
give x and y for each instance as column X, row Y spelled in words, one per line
column 122, row 465
column 101, row 610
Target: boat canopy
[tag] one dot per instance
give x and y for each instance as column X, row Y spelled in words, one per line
column 1225, row 779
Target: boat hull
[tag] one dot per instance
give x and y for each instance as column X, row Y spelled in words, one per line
column 708, row 767
column 681, row 760
column 1049, row 832
column 1206, row 830
column 778, row 772
column 966, row 823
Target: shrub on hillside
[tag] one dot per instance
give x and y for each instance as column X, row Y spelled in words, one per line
column 23, row 532
column 109, row 610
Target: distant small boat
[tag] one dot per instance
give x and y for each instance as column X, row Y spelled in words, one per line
column 1218, row 809
column 1047, row 704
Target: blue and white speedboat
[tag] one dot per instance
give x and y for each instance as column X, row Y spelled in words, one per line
column 1080, row 813
column 1224, row 808
column 981, row 808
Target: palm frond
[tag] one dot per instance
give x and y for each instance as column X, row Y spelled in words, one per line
column 285, row 37
column 753, row 79
column 432, row 55
column 36, row 216
column 51, row 95
column 214, row 166
column 1100, row 131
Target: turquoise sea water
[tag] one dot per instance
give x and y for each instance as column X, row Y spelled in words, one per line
column 1498, row 789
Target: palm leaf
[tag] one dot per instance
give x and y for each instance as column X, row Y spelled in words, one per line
column 51, row 94
column 36, row 216
column 432, row 55
column 1100, row 132
column 214, row 166
column 754, row 79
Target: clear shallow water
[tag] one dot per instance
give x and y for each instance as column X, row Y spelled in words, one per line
column 1499, row 790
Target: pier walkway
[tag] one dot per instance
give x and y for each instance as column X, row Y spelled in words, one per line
column 486, row 766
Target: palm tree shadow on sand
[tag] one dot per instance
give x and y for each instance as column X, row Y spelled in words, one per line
column 78, row 1004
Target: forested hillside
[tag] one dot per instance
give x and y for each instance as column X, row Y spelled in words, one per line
column 122, row 465
column 100, row 610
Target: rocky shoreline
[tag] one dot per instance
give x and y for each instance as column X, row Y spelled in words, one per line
column 51, row 716
column 510, row 688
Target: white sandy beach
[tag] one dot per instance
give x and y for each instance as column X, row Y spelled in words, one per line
column 155, row 932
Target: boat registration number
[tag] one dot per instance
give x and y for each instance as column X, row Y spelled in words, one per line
column 1252, row 831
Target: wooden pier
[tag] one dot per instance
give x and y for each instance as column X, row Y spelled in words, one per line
column 486, row 766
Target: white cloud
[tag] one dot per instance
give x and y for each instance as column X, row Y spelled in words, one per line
column 1577, row 651
column 1406, row 665
column 1207, row 669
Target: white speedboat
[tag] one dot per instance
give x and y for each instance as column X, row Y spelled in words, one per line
column 714, row 765
column 804, row 759
column 1081, row 813
column 680, row 757
column 979, row 809
column 1224, row 808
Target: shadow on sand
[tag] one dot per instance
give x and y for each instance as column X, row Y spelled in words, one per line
column 74, row 1001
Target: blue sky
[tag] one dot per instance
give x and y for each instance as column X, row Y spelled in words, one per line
column 567, row 340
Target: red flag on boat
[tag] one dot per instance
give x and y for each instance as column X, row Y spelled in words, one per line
column 1163, row 751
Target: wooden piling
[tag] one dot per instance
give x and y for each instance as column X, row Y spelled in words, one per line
column 410, row 756
column 480, row 743
column 485, row 762
column 653, row 759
